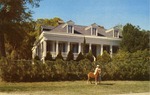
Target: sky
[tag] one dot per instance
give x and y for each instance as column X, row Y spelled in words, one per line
column 107, row 13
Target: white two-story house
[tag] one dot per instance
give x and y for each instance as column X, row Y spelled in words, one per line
column 68, row 36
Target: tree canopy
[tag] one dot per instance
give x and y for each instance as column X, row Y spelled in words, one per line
column 18, row 31
column 134, row 38
column 46, row 22
column 13, row 15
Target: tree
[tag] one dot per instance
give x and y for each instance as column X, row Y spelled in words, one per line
column 22, row 43
column 80, row 57
column 84, row 46
column 134, row 39
column 48, row 56
column 36, row 58
column 70, row 56
column 90, row 56
column 119, row 27
column 47, row 22
column 104, row 58
column 59, row 56
column 12, row 15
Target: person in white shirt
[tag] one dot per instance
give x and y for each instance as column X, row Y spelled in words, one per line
column 97, row 69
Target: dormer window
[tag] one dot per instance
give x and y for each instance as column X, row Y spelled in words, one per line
column 116, row 33
column 70, row 29
column 94, row 30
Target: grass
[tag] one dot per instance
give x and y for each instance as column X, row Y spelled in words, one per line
column 76, row 87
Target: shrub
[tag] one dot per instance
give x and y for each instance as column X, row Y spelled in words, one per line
column 49, row 56
column 14, row 55
column 99, row 57
column 80, row 57
column 124, row 66
column 131, row 66
column 36, row 58
column 84, row 67
column 60, row 70
column 72, row 69
column 105, row 58
column 59, row 56
column 70, row 56
column 90, row 56
column 13, row 71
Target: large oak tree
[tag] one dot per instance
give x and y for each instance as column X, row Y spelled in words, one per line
column 13, row 15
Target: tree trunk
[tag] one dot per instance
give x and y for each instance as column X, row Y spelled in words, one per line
column 2, row 45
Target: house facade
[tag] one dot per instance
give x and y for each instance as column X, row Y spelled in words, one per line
column 69, row 36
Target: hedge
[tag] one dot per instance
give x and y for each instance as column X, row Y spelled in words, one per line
column 26, row 71
column 123, row 66
column 131, row 66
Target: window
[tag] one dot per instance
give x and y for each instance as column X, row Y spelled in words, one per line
column 94, row 31
column 75, row 48
column 115, row 49
column 70, row 29
column 62, row 47
column 106, row 48
column 49, row 46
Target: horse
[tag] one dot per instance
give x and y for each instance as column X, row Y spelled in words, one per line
column 96, row 76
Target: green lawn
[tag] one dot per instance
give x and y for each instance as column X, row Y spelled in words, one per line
column 76, row 87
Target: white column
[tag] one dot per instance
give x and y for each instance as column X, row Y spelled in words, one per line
column 37, row 51
column 34, row 52
column 101, row 49
column 111, row 50
column 44, row 48
column 90, row 46
column 72, row 30
column 53, row 46
column 68, row 47
column 57, row 48
column 41, row 52
column 79, row 48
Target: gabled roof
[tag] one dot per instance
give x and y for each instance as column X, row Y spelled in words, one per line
column 79, row 29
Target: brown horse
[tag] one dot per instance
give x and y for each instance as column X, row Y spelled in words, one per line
column 96, row 76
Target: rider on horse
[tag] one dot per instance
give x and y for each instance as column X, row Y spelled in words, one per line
column 97, row 69
column 95, row 75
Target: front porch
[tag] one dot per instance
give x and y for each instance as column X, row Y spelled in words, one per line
column 55, row 46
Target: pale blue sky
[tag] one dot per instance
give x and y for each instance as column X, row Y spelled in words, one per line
column 107, row 13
